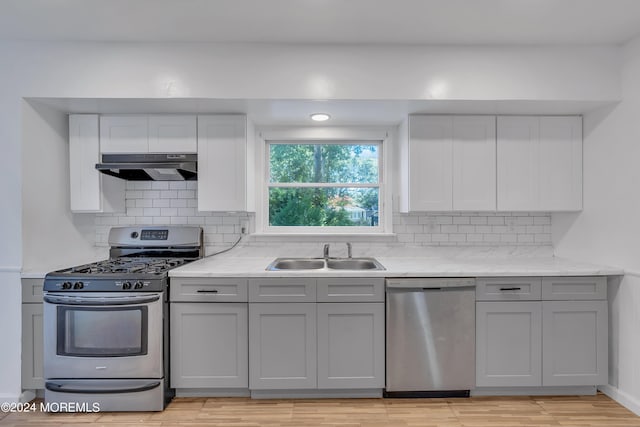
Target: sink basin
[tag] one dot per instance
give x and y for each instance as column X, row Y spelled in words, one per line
column 318, row 263
column 296, row 264
column 354, row 264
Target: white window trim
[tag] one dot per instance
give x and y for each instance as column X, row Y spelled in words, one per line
column 337, row 134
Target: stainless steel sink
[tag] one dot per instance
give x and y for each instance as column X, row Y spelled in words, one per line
column 354, row 264
column 296, row 264
column 319, row 263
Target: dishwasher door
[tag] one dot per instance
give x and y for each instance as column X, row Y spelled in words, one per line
column 430, row 337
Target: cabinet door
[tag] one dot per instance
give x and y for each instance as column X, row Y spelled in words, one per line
column 474, row 163
column 32, row 347
column 517, row 154
column 172, row 134
column 560, row 163
column 124, row 134
column 222, row 163
column 430, row 163
column 350, row 345
column 282, row 339
column 508, row 344
column 209, row 345
column 90, row 190
column 575, row 343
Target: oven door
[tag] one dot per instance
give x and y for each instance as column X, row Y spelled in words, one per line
column 102, row 335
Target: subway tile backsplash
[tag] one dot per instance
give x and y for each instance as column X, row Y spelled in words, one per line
column 175, row 203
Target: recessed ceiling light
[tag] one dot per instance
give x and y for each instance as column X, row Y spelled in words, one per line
column 320, row 117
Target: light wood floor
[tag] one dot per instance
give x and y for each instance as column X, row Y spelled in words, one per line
column 241, row 412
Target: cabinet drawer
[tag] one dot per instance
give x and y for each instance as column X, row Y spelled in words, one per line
column 574, row 288
column 350, row 290
column 32, row 290
column 204, row 289
column 282, row 290
column 508, row 289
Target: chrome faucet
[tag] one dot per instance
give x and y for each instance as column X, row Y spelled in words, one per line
column 348, row 249
column 325, row 251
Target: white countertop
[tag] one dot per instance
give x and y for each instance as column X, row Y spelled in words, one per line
column 244, row 266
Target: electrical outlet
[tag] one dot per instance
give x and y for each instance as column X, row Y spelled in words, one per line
column 244, row 226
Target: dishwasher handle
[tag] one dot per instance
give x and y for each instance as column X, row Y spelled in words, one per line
column 430, row 284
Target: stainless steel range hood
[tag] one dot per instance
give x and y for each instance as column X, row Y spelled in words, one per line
column 150, row 167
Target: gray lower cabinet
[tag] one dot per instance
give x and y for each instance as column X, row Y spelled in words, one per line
column 32, row 337
column 574, row 345
column 209, row 345
column 546, row 342
column 508, row 344
column 283, row 346
column 350, row 345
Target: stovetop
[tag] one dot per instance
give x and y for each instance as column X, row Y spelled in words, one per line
column 132, row 274
column 124, row 265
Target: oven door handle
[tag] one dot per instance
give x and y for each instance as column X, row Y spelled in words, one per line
column 75, row 388
column 87, row 300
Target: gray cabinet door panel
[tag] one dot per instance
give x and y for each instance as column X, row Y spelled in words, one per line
column 574, row 288
column 209, row 345
column 206, row 289
column 350, row 290
column 508, row 343
column 574, row 343
column 300, row 289
column 283, row 346
column 351, row 345
column 32, row 346
column 508, row 289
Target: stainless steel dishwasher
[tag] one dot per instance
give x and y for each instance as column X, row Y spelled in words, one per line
column 430, row 337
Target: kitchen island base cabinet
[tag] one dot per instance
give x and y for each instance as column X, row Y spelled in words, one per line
column 209, row 345
column 283, row 345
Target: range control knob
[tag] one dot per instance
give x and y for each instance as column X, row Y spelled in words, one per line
column 126, row 285
column 78, row 285
column 137, row 285
column 67, row 285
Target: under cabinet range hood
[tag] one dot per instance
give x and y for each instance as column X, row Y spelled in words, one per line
column 150, row 167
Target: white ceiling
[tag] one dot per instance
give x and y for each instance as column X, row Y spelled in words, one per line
column 324, row 21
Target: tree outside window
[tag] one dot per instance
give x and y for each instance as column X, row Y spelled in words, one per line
column 324, row 184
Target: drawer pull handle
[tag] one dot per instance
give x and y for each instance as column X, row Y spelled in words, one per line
column 510, row 289
column 207, row 291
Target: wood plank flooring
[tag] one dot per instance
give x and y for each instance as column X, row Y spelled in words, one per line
column 569, row 411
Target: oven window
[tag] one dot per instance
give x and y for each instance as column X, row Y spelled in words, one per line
column 100, row 332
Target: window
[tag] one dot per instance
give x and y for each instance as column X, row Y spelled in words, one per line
column 324, row 186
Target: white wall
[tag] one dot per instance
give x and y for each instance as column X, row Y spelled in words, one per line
column 607, row 230
column 98, row 70
column 46, row 218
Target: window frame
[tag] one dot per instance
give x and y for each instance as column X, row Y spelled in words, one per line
column 324, row 136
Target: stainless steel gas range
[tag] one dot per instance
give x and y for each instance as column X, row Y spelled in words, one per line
column 106, row 324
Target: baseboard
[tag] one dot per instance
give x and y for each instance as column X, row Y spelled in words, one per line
column 9, row 398
column 316, row 394
column 212, row 392
column 534, row 391
column 623, row 398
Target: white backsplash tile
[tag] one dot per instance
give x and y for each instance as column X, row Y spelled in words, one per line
column 175, row 203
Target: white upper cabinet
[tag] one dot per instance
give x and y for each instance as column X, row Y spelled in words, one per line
column 452, row 163
column 474, row 163
column 539, row 163
column 90, row 191
column 148, row 134
column 430, row 163
column 172, row 134
column 222, row 163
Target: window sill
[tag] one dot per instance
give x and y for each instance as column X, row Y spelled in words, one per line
column 325, row 237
